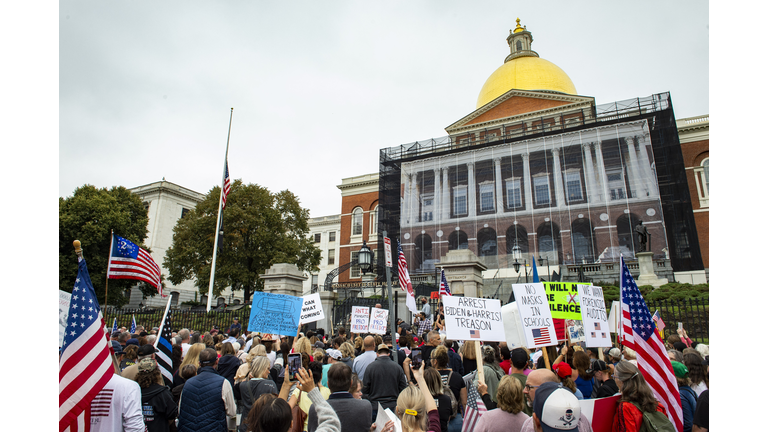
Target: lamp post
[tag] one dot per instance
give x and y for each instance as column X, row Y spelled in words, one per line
column 365, row 258
column 541, row 263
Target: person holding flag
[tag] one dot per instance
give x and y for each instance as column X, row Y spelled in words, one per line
column 659, row 323
column 653, row 365
column 164, row 347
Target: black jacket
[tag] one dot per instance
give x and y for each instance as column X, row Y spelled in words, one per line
column 158, row 407
column 383, row 381
column 607, row 388
column 227, row 368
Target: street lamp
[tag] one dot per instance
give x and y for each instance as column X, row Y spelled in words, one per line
column 365, row 259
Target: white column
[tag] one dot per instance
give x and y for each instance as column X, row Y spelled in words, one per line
column 601, row 172
column 637, row 185
column 436, row 196
column 527, row 181
column 471, row 208
column 589, row 174
column 414, row 208
column 446, row 202
column 499, row 188
column 405, row 212
column 558, row 178
column 645, row 163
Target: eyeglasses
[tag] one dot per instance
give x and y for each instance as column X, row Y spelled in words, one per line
column 530, row 387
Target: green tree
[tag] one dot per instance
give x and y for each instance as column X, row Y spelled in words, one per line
column 260, row 229
column 89, row 215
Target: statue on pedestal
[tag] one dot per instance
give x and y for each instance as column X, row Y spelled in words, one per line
column 642, row 235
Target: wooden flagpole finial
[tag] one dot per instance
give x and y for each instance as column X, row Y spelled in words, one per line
column 78, row 249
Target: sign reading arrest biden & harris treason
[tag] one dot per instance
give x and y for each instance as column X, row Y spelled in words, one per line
column 468, row 318
column 538, row 325
column 563, row 298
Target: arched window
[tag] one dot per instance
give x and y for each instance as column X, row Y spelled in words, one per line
column 519, row 46
column 458, row 240
column 175, row 298
column 549, row 243
column 517, row 242
column 220, row 302
column 423, row 249
column 357, row 221
column 204, row 299
column 625, row 225
column 374, row 222
column 581, row 235
column 701, row 174
column 486, row 242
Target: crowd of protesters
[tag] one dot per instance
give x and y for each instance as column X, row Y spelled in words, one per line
column 344, row 381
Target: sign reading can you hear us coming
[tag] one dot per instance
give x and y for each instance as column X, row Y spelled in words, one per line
column 468, row 318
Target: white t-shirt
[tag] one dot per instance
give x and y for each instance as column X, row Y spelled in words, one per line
column 271, row 356
column 117, row 407
column 184, row 349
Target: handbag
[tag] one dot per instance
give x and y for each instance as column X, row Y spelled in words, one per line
column 299, row 416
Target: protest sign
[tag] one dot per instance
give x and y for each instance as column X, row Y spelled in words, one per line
column 64, row 299
column 594, row 316
column 600, row 412
column 360, row 317
column 538, row 326
column 275, row 313
column 378, row 324
column 468, row 318
column 576, row 333
column 512, row 329
column 563, row 298
column 614, row 318
column 312, row 309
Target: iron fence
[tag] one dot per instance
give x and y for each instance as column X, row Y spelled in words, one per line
column 180, row 318
column 693, row 313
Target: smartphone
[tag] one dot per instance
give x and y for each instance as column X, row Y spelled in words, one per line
column 679, row 326
column 294, row 364
column 416, row 358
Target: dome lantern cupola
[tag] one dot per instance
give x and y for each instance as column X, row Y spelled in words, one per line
column 519, row 42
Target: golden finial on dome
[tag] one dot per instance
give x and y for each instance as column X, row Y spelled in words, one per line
column 518, row 29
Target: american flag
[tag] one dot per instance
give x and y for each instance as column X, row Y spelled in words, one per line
column 652, row 359
column 597, row 325
column 85, row 364
column 133, row 324
column 444, row 288
column 659, row 323
column 128, row 261
column 226, row 185
column 475, row 409
column 114, row 325
column 474, row 334
column 540, row 335
column 165, row 349
column 405, row 280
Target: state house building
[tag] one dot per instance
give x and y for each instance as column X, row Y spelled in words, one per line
column 538, row 170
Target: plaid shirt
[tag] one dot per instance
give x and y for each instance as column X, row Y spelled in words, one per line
column 424, row 326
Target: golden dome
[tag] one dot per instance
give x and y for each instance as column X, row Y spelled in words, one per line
column 525, row 73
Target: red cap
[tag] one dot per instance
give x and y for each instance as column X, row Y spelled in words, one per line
column 563, row 370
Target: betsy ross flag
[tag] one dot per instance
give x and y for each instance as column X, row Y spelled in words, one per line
column 444, row 288
column 128, row 261
column 475, row 409
column 405, row 280
column 133, row 325
column 164, row 347
column 85, row 364
column 540, row 335
column 652, row 359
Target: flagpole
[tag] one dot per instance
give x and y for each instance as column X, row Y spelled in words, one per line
column 218, row 218
column 109, row 265
column 160, row 329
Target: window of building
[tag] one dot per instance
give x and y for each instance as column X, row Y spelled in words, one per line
column 541, row 189
column 314, row 282
column 220, row 301
column 514, row 195
column 146, row 205
column 357, row 221
column 318, row 237
column 354, row 271
column 204, row 299
column 374, row 222
column 175, row 298
column 332, row 236
column 184, row 212
column 701, row 174
column 427, row 207
column 615, row 184
column 460, row 200
column 519, row 46
column 573, row 186
column 331, row 256
column 487, row 199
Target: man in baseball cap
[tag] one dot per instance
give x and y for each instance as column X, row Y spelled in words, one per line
column 145, row 351
column 556, row 409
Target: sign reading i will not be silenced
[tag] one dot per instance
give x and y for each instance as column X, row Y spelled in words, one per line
column 468, row 318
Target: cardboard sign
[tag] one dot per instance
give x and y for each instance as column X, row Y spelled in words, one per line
column 360, row 318
column 378, row 323
column 594, row 316
column 387, row 252
column 614, row 318
column 64, row 299
column 275, row 313
column 468, row 318
column 576, row 333
column 563, row 298
column 538, row 326
column 311, row 309
column 513, row 331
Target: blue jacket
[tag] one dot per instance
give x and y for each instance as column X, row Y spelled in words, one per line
column 202, row 407
column 688, row 401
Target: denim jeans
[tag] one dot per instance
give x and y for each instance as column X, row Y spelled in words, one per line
column 455, row 424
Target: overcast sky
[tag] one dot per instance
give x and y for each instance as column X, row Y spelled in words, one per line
column 319, row 87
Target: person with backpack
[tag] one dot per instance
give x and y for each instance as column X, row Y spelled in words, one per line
column 258, row 383
column 447, row 406
column 451, row 380
column 688, row 397
column 638, row 409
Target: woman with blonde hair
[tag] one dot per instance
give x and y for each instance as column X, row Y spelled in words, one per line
column 245, row 368
column 347, row 354
column 303, row 346
column 508, row 415
column 636, row 398
column 247, row 392
column 468, row 356
column 415, row 406
column 191, row 358
column 358, row 346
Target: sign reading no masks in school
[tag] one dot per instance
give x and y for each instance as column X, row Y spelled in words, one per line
column 538, row 326
column 468, row 318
